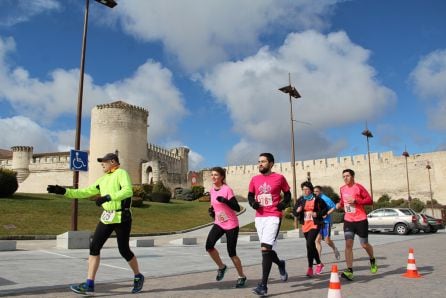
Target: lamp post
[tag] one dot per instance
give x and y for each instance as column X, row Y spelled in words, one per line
column 293, row 93
column 368, row 134
column 77, row 140
column 428, row 167
column 406, row 155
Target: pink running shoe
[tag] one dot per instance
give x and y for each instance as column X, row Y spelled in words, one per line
column 310, row 272
column 319, row 268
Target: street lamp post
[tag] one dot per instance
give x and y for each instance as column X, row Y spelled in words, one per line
column 293, row 93
column 406, row 155
column 428, row 167
column 368, row 134
column 77, row 140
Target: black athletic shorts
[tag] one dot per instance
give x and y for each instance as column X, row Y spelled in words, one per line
column 360, row 228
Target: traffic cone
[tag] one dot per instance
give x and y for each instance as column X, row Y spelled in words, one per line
column 334, row 289
column 411, row 266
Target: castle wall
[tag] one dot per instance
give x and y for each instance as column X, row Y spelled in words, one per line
column 388, row 174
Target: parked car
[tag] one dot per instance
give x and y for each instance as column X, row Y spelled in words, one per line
column 399, row 220
column 435, row 224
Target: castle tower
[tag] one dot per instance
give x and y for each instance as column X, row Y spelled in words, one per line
column 183, row 152
column 121, row 128
column 21, row 156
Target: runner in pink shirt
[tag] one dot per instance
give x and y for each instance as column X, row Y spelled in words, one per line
column 264, row 197
column 353, row 199
column 223, row 209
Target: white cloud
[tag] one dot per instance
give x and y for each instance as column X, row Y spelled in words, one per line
column 195, row 161
column 200, row 33
column 19, row 11
column 429, row 79
column 22, row 131
column 151, row 86
column 337, row 85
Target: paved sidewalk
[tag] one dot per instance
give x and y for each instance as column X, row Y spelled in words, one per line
column 187, row 271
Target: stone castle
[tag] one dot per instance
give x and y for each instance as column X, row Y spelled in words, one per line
column 122, row 128
column 115, row 127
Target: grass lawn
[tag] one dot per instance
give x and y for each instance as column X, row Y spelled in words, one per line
column 47, row 214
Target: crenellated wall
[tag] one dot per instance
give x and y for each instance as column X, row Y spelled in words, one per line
column 388, row 174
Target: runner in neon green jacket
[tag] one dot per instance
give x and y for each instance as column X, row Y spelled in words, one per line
column 115, row 187
column 115, row 190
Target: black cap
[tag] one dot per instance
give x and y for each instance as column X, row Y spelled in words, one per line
column 109, row 156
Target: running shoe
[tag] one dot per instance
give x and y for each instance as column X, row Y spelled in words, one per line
column 282, row 271
column 347, row 274
column 82, row 289
column 138, row 283
column 260, row 290
column 241, row 281
column 221, row 273
column 373, row 266
column 310, row 272
column 319, row 268
column 337, row 254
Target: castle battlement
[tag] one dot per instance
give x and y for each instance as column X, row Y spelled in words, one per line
column 162, row 152
column 123, row 105
column 377, row 160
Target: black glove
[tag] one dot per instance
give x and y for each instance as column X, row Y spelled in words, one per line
column 102, row 200
column 59, row 190
column 281, row 206
column 221, row 199
column 255, row 205
column 211, row 212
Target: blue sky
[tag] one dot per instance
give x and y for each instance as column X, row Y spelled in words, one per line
column 208, row 72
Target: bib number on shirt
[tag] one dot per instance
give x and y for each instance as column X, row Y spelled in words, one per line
column 265, row 199
column 222, row 217
column 108, row 216
column 308, row 215
column 349, row 208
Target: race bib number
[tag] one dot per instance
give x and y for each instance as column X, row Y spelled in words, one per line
column 349, row 208
column 265, row 199
column 308, row 215
column 222, row 217
column 108, row 216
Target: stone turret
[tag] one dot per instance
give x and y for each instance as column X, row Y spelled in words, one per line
column 121, row 128
column 21, row 156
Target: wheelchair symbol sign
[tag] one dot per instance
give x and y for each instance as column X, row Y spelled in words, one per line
column 78, row 160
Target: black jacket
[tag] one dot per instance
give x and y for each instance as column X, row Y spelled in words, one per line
column 320, row 208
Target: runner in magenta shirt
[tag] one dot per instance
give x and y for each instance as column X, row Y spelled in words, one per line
column 353, row 199
column 223, row 209
column 355, row 211
column 268, row 189
column 264, row 197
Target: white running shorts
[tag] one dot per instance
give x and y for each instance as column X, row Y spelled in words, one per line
column 267, row 229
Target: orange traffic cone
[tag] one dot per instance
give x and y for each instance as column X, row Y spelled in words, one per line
column 334, row 289
column 411, row 266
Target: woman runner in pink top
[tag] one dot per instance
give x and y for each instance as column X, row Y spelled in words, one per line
column 223, row 209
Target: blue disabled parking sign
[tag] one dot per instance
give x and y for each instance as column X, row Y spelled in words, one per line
column 78, row 160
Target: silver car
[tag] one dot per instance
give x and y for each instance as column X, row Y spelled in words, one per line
column 398, row 220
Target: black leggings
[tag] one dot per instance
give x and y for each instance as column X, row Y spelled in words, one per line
column 231, row 239
column 312, row 253
column 103, row 232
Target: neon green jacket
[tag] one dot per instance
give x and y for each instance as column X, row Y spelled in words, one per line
column 116, row 184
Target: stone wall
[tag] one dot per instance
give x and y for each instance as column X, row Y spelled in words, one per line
column 388, row 174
